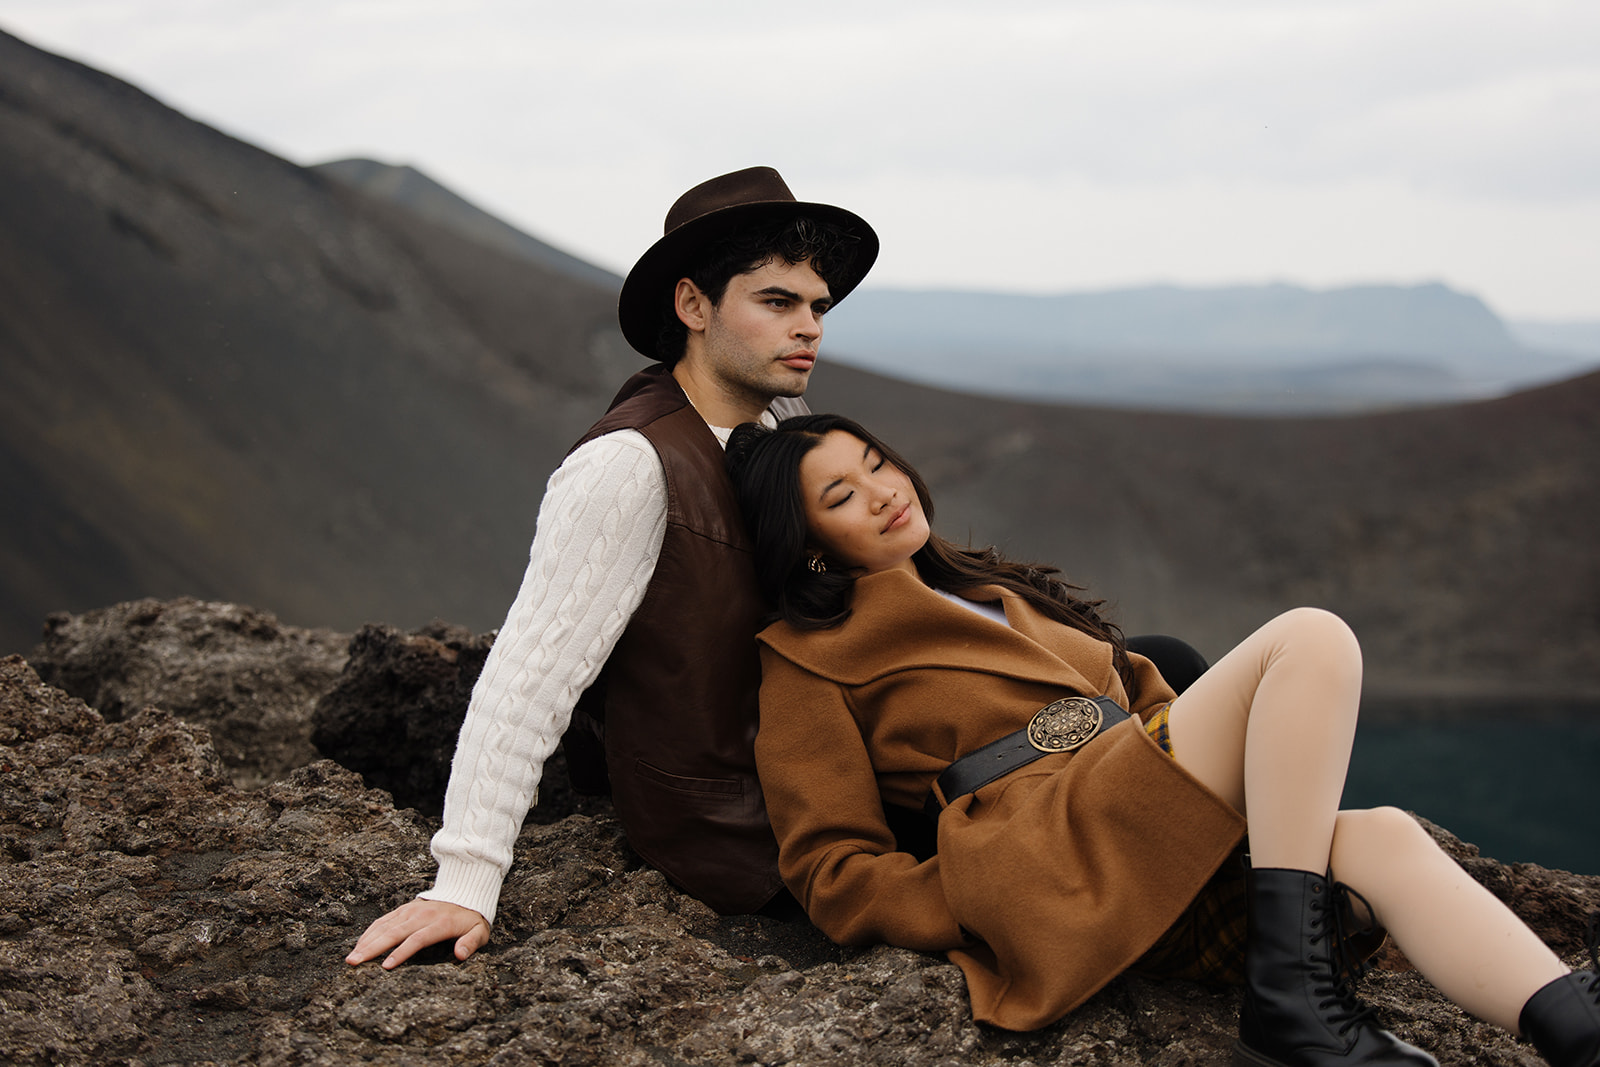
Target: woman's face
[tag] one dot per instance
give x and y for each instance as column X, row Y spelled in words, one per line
column 861, row 510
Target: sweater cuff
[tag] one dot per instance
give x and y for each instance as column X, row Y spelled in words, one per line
column 471, row 885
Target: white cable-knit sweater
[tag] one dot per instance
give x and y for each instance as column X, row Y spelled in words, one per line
column 599, row 533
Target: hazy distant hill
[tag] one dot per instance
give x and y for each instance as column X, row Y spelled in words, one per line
column 1269, row 348
column 228, row 376
column 1241, row 349
column 1578, row 339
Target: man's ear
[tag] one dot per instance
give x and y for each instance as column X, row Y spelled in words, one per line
column 692, row 305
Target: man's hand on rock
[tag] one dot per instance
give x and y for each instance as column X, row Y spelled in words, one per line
column 414, row 926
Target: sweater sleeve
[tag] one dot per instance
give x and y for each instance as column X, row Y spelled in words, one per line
column 600, row 529
column 835, row 850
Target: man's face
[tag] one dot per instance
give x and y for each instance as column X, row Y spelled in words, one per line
column 762, row 338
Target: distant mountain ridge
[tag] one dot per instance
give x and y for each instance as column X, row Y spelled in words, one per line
column 1266, row 322
column 1263, row 349
column 1581, row 339
column 1246, row 349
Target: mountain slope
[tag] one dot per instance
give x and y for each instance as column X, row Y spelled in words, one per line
column 227, row 376
column 409, row 188
column 1457, row 540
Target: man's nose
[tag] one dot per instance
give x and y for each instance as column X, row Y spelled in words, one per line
column 808, row 325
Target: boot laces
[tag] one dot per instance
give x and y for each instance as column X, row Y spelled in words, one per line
column 1344, row 967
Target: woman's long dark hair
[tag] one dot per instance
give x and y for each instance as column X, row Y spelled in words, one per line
column 765, row 467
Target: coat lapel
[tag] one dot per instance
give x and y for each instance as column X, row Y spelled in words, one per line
column 898, row 623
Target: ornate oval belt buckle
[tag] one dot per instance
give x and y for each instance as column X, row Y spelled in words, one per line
column 1065, row 725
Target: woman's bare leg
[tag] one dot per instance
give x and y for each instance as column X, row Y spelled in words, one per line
column 1459, row 935
column 1269, row 728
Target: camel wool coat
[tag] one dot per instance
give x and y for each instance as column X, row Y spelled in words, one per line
column 1048, row 882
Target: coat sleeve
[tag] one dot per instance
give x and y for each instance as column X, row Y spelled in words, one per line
column 1153, row 689
column 835, row 850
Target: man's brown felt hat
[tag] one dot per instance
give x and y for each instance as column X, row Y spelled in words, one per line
column 708, row 212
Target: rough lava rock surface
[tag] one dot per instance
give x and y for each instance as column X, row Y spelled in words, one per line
column 395, row 711
column 237, row 671
column 153, row 912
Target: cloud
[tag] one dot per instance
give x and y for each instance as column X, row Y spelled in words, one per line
column 1215, row 140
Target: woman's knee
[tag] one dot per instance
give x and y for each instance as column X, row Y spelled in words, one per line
column 1376, row 835
column 1320, row 632
column 1385, row 821
column 1318, row 623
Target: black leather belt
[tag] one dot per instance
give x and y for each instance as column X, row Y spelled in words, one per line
column 1064, row 726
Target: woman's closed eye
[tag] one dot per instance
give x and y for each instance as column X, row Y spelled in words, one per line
column 874, row 467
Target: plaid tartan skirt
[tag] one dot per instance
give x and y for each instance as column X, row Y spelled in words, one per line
column 1207, row 941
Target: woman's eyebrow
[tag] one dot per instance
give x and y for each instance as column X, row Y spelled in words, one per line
column 865, row 452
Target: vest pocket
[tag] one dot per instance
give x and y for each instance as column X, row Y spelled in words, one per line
column 710, row 788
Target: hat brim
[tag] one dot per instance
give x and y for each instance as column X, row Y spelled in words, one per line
column 648, row 290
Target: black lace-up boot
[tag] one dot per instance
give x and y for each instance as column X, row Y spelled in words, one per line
column 1300, row 1006
column 1563, row 1019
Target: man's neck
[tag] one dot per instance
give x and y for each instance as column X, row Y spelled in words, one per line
column 717, row 404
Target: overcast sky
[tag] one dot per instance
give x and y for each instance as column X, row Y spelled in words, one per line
column 1043, row 146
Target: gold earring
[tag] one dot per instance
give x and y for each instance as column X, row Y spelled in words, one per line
column 817, row 565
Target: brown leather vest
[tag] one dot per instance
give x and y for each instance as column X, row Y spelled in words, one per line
column 671, row 721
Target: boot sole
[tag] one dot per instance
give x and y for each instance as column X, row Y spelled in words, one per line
column 1244, row 1056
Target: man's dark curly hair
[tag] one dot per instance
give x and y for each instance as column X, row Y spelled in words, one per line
column 830, row 250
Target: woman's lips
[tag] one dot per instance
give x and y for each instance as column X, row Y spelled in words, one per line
column 899, row 519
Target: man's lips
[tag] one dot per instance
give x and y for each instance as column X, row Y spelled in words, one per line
column 800, row 360
column 899, row 518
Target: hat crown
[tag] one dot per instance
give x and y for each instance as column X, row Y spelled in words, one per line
column 713, row 211
column 753, row 185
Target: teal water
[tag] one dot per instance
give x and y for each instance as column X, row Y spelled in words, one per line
column 1522, row 785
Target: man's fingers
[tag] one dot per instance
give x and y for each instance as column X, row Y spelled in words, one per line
column 373, row 943
column 414, row 926
column 408, row 948
column 472, row 940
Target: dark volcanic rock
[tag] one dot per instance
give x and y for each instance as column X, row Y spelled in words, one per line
column 397, row 707
column 237, row 671
column 153, row 913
